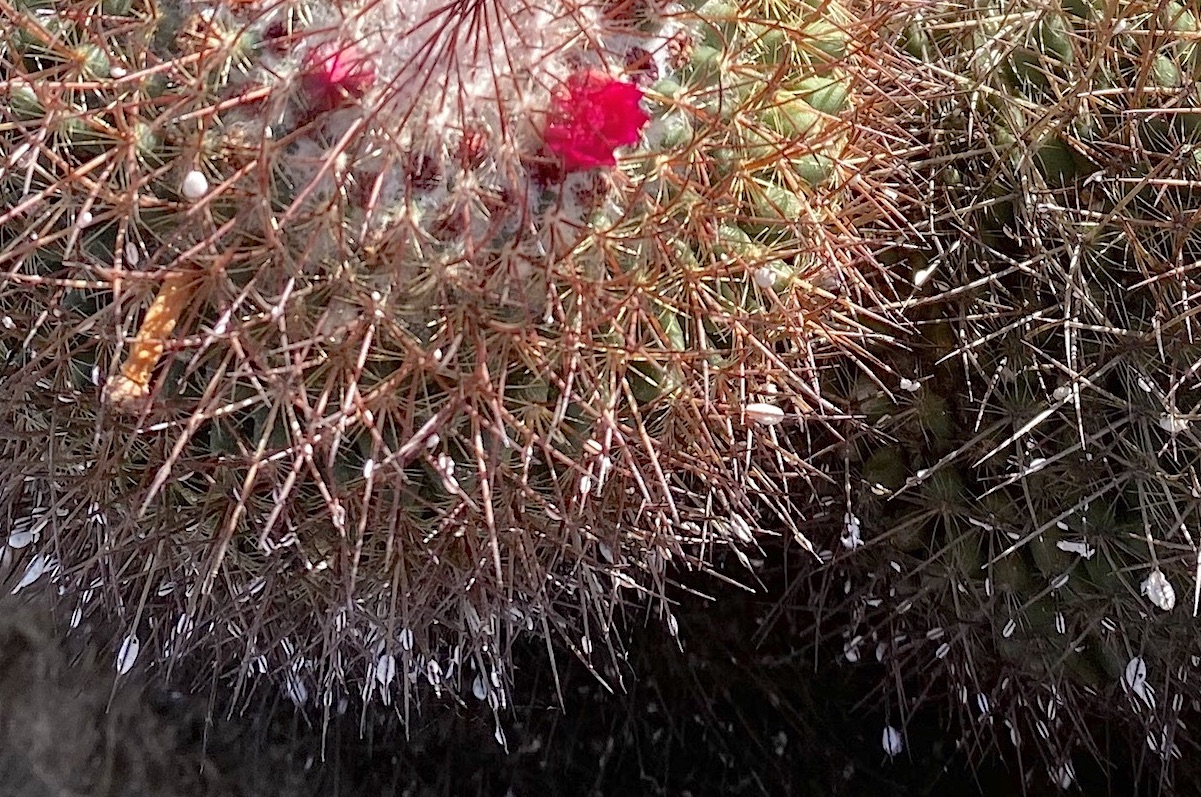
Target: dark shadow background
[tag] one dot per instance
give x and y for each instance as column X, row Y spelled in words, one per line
column 725, row 715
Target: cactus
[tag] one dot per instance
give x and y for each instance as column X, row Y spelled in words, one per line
column 350, row 343
column 1022, row 536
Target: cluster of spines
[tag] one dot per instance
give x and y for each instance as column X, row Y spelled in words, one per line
column 1028, row 515
column 387, row 410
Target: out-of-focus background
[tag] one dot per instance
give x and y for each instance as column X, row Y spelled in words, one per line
column 723, row 719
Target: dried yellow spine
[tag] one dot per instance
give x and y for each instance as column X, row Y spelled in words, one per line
column 132, row 385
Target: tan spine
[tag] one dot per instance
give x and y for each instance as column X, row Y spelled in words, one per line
column 132, row 385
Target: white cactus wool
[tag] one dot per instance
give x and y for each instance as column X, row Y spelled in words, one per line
column 426, row 127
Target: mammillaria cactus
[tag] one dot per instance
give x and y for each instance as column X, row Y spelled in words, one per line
column 1026, row 525
column 349, row 342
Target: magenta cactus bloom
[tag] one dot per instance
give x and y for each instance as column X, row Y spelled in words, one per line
column 336, row 73
column 590, row 117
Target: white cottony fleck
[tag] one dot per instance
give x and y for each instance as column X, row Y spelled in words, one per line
column 128, row 654
column 35, row 570
column 297, row 692
column 1014, row 736
column 1079, row 548
column 1159, row 590
column 891, row 741
column 433, row 672
column 851, row 537
column 1135, row 679
column 910, row 385
column 21, row 539
column 385, row 669
column 1173, row 424
column 195, row 185
column 764, row 414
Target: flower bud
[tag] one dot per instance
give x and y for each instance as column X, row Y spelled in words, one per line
column 336, row 73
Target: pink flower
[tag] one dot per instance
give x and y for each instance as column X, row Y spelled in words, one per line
column 591, row 116
column 335, row 73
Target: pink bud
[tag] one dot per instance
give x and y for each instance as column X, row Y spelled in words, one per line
column 335, row 74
